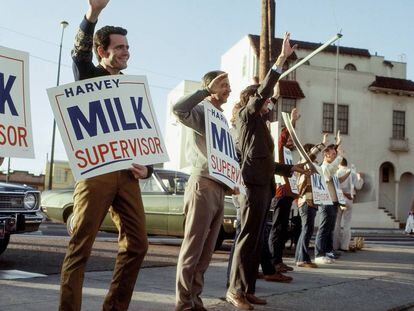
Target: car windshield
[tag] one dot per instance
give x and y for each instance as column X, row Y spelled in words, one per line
column 175, row 182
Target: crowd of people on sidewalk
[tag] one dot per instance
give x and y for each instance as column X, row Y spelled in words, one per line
column 256, row 243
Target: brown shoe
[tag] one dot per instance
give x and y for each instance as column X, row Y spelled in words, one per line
column 278, row 277
column 239, row 301
column 306, row 265
column 255, row 300
column 282, row 268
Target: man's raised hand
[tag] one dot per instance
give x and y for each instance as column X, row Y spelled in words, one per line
column 215, row 84
column 95, row 8
column 98, row 4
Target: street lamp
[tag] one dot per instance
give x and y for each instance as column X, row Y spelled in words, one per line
column 63, row 24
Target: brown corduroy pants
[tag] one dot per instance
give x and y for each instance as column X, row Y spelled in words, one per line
column 203, row 208
column 92, row 199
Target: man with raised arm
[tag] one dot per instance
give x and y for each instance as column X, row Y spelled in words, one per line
column 204, row 195
column 94, row 196
column 258, row 170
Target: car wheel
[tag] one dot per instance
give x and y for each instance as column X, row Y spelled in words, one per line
column 70, row 223
column 4, row 242
column 220, row 239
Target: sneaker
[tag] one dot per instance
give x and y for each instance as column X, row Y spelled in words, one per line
column 337, row 253
column 331, row 255
column 324, row 260
column 306, row 264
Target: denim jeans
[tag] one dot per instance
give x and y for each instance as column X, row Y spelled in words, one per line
column 307, row 215
column 324, row 237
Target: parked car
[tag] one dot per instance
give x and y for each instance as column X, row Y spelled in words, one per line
column 163, row 197
column 19, row 211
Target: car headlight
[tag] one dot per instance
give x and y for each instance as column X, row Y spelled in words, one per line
column 30, row 201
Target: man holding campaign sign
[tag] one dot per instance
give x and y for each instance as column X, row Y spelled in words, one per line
column 324, row 251
column 16, row 138
column 214, row 172
column 107, row 124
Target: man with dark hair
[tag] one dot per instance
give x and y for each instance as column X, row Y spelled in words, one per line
column 94, row 196
column 258, row 170
column 204, row 195
column 327, row 213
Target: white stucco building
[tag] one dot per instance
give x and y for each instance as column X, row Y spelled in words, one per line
column 373, row 107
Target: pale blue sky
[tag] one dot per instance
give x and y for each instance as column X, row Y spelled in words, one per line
column 173, row 40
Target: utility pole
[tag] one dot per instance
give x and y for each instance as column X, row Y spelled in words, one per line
column 266, row 37
column 264, row 41
column 271, row 20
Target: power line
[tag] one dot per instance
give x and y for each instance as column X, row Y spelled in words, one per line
column 66, row 48
column 68, row 66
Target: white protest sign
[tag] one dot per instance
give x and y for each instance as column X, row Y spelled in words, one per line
column 287, row 154
column 221, row 153
column 16, row 139
column 107, row 123
column 339, row 193
column 274, row 130
column 320, row 192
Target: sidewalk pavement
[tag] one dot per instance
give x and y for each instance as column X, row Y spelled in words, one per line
column 380, row 277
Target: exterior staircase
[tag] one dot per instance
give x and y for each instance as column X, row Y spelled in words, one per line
column 391, row 216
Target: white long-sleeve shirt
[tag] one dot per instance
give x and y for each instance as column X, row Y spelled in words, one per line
column 329, row 170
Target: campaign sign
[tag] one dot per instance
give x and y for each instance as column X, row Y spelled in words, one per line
column 221, row 154
column 287, row 154
column 320, row 190
column 274, row 130
column 16, row 138
column 339, row 193
column 107, row 123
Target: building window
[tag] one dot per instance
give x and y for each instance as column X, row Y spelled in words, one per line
column 342, row 118
column 255, row 66
column 350, row 67
column 288, row 104
column 328, row 118
column 290, row 76
column 273, row 113
column 58, row 175
column 244, row 66
column 398, row 124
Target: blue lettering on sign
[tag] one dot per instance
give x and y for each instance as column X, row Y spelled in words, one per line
column 97, row 117
column 336, row 182
column 5, row 95
column 288, row 161
column 139, row 116
column 223, row 141
column 91, row 126
column 317, row 182
column 124, row 124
